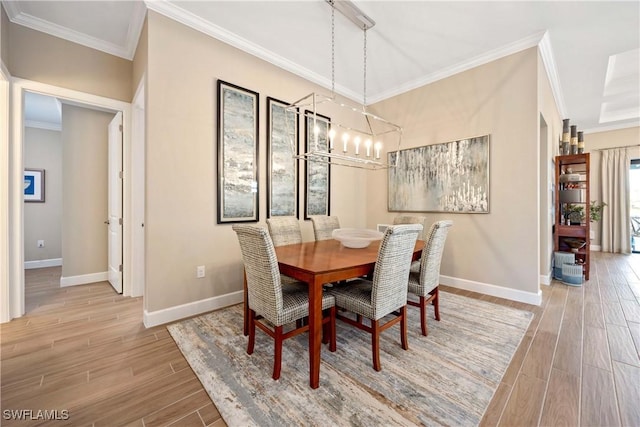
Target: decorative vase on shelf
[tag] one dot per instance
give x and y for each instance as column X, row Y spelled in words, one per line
column 574, row 139
column 565, row 137
column 580, row 142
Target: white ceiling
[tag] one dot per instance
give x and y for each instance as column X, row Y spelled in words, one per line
column 591, row 48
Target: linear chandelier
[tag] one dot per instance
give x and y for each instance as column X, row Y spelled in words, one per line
column 340, row 133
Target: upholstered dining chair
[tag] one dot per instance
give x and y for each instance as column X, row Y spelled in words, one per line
column 424, row 282
column 271, row 302
column 323, row 226
column 284, row 230
column 409, row 219
column 386, row 293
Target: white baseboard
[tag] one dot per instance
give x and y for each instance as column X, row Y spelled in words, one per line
column 42, row 263
column 171, row 314
column 84, row 279
column 597, row 248
column 493, row 290
column 545, row 279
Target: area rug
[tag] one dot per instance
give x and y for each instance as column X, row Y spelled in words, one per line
column 446, row 378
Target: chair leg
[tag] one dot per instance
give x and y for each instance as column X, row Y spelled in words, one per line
column 423, row 316
column 251, row 330
column 375, row 344
column 245, row 305
column 277, row 359
column 403, row 328
column 332, row 328
column 436, row 302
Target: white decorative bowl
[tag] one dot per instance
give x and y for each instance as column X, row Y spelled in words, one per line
column 356, row 237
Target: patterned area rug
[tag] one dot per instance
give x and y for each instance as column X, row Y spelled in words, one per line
column 446, row 378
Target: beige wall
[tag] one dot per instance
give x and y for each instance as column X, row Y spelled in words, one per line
column 84, row 234
column 181, row 230
column 500, row 99
column 43, row 221
column 594, row 142
column 4, row 37
column 43, row 58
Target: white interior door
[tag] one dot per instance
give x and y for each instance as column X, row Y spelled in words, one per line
column 115, row 203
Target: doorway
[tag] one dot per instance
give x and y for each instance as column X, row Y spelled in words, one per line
column 15, row 285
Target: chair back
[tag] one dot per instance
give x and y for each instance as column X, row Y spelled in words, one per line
column 432, row 254
column 408, row 219
column 391, row 274
column 261, row 269
column 323, row 226
column 284, row 230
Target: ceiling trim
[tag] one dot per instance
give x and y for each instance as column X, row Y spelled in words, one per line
column 193, row 21
column 546, row 52
column 612, row 127
column 135, row 29
column 501, row 52
column 127, row 52
column 43, row 125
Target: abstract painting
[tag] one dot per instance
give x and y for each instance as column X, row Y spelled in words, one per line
column 237, row 154
column 449, row 177
column 318, row 175
column 282, row 147
column 34, row 185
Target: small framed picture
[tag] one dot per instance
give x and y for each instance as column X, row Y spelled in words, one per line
column 34, row 185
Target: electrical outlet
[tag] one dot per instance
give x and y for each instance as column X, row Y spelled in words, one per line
column 200, row 271
column 41, row 243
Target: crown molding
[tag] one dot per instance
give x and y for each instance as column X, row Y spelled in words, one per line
column 608, row 128
column 509, row 49
column 135, row 28
column 43, row 125
column 176, row 13
column 127, row 52
column 546, row 53
column 12, row 9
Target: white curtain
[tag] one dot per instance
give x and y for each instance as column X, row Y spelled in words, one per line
column 614, row 179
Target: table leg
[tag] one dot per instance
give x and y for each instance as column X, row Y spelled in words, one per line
column 315, row 332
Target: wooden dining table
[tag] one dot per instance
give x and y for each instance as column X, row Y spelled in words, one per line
column 317, row 263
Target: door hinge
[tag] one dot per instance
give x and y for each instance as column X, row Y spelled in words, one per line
column 120, row 127
column 120, row 268
column 120, row 221
column 121, row 174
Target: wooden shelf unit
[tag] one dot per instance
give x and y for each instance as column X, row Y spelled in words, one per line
column 570, row 193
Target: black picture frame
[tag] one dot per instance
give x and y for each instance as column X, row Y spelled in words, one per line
column 317, row 179
column 238, row 162
column 283, row 174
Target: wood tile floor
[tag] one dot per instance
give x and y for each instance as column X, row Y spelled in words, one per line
column 84, row 349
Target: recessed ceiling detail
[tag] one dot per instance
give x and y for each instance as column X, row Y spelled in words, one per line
column 622, row 88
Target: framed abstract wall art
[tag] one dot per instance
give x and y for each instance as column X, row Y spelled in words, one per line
column 34, row 185
column 282, row 165
column 318, row 174
column 238, row 114
column 448, row 177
